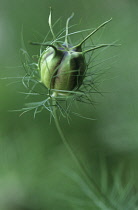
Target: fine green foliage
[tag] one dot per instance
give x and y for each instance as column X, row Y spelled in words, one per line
column 38, row 84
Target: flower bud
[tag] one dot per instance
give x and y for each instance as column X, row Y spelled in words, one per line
column 62, row 69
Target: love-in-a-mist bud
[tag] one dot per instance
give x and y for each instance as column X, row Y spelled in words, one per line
column 62, row 68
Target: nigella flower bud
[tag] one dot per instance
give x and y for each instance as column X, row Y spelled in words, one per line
column 62, row 68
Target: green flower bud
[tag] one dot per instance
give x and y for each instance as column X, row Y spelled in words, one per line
column 62, row 68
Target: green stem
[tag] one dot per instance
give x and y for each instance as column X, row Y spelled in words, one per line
column 90, row 182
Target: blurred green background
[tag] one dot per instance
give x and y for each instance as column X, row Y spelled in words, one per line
column 36, row 171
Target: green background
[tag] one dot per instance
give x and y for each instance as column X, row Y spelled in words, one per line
column 36, row 170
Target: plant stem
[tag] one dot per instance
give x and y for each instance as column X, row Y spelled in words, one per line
column 90, row 182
